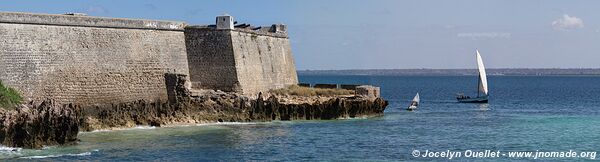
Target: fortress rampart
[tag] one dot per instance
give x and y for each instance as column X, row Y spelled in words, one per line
column 92, row 60
column 241, row 60
column 87, row 21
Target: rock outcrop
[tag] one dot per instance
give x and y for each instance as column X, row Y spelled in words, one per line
column 49, row 123
column 31, row 126
column 334, row 108
column 226, row 107
column 52, row 124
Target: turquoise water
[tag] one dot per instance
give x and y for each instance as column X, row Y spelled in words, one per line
column 525, row 113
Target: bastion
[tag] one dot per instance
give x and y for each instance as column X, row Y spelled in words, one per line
column 240, row 58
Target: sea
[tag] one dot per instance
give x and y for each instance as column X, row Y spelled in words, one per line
column 556, row 118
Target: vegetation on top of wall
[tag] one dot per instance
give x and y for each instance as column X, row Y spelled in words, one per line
column 307, row 91
column 9, row 97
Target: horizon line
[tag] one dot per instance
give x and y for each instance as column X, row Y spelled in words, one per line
column 596, row 68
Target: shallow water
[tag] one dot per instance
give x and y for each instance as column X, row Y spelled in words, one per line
column 525, row 113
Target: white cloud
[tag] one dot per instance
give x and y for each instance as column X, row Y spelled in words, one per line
column 567, row 22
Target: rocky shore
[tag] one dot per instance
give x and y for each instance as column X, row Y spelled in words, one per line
column 226, row 107
column 36, row 125
column 49, row 123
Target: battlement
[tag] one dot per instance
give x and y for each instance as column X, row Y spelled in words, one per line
column 275, row 30
column 81, row 20
column 226, row 22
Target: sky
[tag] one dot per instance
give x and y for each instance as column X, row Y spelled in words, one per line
column 390, row 34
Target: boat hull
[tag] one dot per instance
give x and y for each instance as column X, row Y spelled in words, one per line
column 482, row 99
column 411, row 108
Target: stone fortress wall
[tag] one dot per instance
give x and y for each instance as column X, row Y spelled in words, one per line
column 263, row 62
column 92, row 60
column 89, row 60
column 240, row 58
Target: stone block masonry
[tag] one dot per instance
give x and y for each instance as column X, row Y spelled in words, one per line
column 89, row 60
column 240, row 60
column 263, row 62
column 210, row 54
column 95, row 61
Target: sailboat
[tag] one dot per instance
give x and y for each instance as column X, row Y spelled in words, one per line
column 482, row 87
column 414, row 103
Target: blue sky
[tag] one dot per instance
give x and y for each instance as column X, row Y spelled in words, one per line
column 367, row 34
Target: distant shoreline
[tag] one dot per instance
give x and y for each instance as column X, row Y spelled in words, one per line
column 460, row 72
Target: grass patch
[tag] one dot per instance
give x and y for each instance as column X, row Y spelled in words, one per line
column 306, row 91
column 9, row 97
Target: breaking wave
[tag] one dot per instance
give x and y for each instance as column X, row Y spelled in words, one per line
column 119, row 129
column 9, row 149
column 59, row 155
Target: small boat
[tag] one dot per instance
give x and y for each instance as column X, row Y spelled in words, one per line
column 414, row 103
column 482, row 87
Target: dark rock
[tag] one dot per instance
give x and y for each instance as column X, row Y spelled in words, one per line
column 36, row 126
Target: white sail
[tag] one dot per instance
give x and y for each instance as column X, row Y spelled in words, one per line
column 414, row 103
column 416, row 99
column 483, row 87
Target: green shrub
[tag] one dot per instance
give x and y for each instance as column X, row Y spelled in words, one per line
column 9, row 97
column 306, row 91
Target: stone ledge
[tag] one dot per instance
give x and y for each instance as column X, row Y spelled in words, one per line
column 88, row 21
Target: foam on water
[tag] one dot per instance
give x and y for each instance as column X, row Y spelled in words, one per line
column 10, row 152
column 228, row 123
column 120, row 129
column 9, row 149
column 177, row 125
column 144, row 127
column 213, row 124
column 354, row 118
column 58, row 155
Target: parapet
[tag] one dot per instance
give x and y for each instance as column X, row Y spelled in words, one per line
column 82, row 20
column 278, row 28
column 275, row 30
column 226, row 22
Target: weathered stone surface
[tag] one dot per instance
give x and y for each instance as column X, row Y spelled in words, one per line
column 263, row 62
column 368, row 91
column 226, row 107
column 31, row 126
column 87, row 21
column 239, row 60
column 88, row 65
column 335, row 108
column 211, row 59
column 92, row 60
